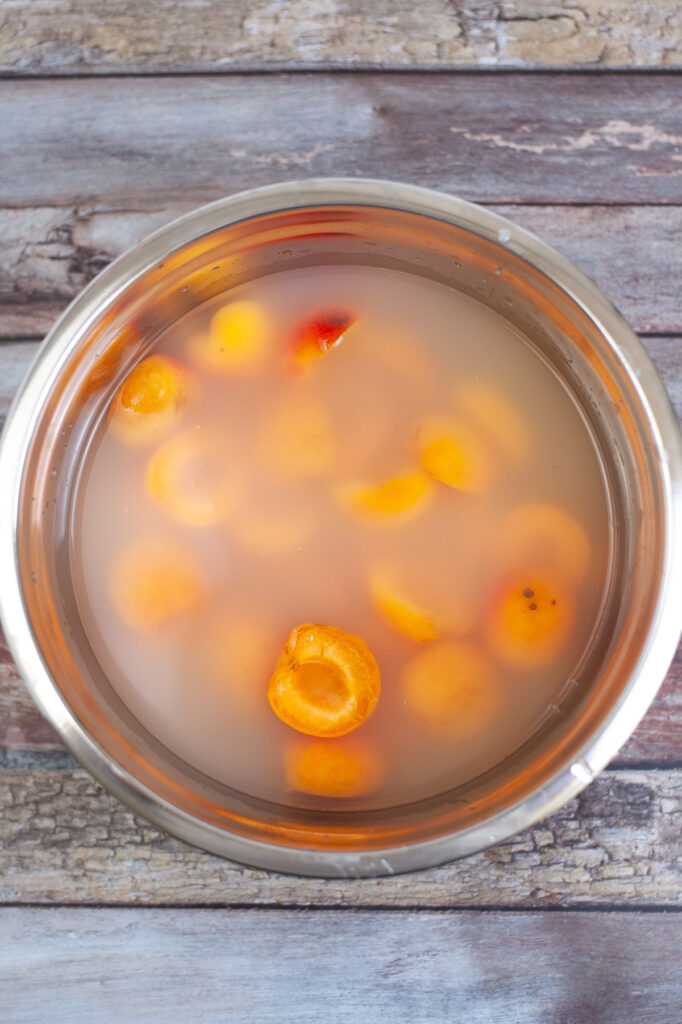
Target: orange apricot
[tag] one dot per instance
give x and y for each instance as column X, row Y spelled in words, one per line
column 149, row 400
column 297, row 438
column 152, row 582
column 454, row 454
column 419, row 603
column 192, row 478
column 392, row 500
column 400, row 610
column 326, row 681
column 545, row 536
column 334, row 768
column 317, row 335
column 495, row 417
column 530, row 620
column 238, row 340
column 453, row 687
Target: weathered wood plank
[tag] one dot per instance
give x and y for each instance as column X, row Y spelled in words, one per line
column 49, row 253
column 277, row 967
column 63, row 839
column 492, row 138
column 90, row 36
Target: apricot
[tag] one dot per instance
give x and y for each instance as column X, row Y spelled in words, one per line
column 317, row 335
column 489, row 411
column 149, row 400
column 335, row 768
column 191, row 477
column 454, row 454
column 234, row 655
column 453, row 687
column 152, row 582
column 393, row 500
column 297, row 438
column 400, row 610
column 530, row 620
column 326, row 681
column 545, row 535
column 238, row 340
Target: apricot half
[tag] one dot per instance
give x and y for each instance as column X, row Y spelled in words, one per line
column 418, row 601
column 317, row 335
column 326, row 681
column 453, row 687
column 495, row 417
column 545, row 536
column 530, row 620
column 238, row 340
column 454, row 454
column 149, row 400
column 400, row 610
column 297, row 438
column 393, row 500
column 191, row 477
column 335, row 768
column 152, row 582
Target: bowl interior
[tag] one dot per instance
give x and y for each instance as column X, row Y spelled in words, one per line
column 160, row 282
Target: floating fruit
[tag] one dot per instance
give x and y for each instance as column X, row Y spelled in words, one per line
column 297, row 438
column 396, row 499
column 150, row 399
column 192, row 477
column 530, row 620
column 545, row 536
column 152, row 582
column 334, row 768
column 491, row 412
column 238, row 340
column 317, row 335
column 455, row 454
column 453, row 687
column 400, row 610
column 326, row 681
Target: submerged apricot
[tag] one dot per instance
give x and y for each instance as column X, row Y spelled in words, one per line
column 454, row 454
column 233, row 655
column 152, row 582
column 192, row 478
column 545, row 536
column 453, row 687
column 417, row 600
column 317, row 335
column 326, row 681
column 149, row 400
column 396, row 499
column 400, row 610
column 530, row 620
column 238, row 340
column 336, row 768
column 493, row 414
column 297, row 438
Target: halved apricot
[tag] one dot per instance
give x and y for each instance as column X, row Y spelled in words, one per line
column 530, row 620
column 149, row 400
column 400, row 610
column 454, row 454
column 297, row 438
column 453, row 687
column 335, row 768
column 238, row 340
column 152, row 582
column 418, row 601
column 317, row 335
column 495, row 417
column 192, row 478
column 545, row 536
column 326, row 681
column 392, row 500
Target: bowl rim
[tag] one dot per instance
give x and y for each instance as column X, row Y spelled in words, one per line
column 657, row 650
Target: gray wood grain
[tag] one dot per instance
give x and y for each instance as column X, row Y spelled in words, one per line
column 280, row 967
column 143, row 36
column 496, row 138
column 63, row 839
column 49, row 253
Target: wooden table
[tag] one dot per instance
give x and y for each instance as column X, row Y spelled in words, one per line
column 115, row 118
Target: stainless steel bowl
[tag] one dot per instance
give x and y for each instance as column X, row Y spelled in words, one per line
column 343, row 221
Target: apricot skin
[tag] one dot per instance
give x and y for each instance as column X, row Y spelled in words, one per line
column 332, row 768
column 530, row 620
column 151, row 583
column 393, row 500
column 326, row 682
column 452, row 686
column 149, row 400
